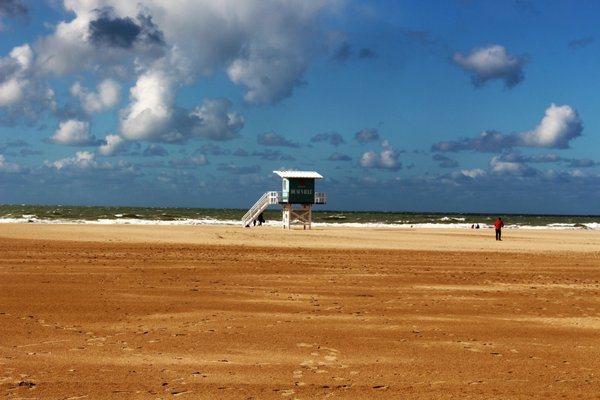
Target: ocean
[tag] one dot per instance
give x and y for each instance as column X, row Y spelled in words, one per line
column 213, row 216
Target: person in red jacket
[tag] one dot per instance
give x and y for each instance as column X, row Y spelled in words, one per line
column 499, row 225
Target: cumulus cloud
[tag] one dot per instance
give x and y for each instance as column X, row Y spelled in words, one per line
column 9, row 167
column 215, row 120
column 367, row 135
column 22, row 93
column 11, row 91
column 333, row 138
column 106, row 97
column 267, row 57
column 272, row 60
column 473, row 173
column 151, row 108
column 102, row 34
column 73, row 133
column 267, row 77
column 85, row 165
column 558, row 127
column 112, row 145
column 15, row 74
column 152, row 115
column 501, row 166
column 82, row 160
column 66, row 50
column 387, row 158
column 275, row 139
column 114, row 31
column 165, row 44
column 491, row 63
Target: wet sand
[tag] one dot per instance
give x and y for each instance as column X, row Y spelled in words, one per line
column 153, row 312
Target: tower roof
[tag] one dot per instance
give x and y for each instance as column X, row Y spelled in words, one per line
column 299, row 174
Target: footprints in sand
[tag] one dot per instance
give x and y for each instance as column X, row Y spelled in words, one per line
column 322, row 369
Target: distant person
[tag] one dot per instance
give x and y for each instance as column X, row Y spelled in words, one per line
column 260, row 220
column 499, row 225
column 477, row 227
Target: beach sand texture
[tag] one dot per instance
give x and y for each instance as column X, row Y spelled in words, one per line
column 223, row 312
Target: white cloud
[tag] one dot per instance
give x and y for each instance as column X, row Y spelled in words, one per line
column 491, row 62
column 23, row 55
column 66, row 50
column 84, row 164
column 269, row 75
column 559, row 125
column 387, row 158
column 6, row 166
column 14, row 75
column 473, row 173
column 215, row 120
column 503, row 167
column 73, row 133
column 577, row 173
column 264, row 45
column 112, row 145
column 152, row 114
column 11, row 92
column 367, row 135
column 22, row 93
column 151, row 108
column 82, row 160
column 105, row 98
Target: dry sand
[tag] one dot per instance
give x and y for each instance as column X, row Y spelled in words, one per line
column 137, row 312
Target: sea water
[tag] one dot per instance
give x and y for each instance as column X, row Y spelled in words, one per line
column 213, row 216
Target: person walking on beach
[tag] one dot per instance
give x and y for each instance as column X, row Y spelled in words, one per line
column 499, row 225
column 260, row 220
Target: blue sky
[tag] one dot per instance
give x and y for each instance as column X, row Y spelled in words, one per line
column 449, row 105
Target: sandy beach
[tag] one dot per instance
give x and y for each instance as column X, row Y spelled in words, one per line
column 224, row 312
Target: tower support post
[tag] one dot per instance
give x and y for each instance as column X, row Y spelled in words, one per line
column 297, row 216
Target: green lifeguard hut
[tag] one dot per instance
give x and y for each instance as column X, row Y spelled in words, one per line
column 296, row 198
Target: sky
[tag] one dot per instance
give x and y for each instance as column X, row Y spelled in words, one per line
column 403, row 105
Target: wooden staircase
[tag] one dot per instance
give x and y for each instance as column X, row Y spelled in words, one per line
column 261, row 205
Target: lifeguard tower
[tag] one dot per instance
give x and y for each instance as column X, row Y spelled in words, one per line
column 296, row 198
